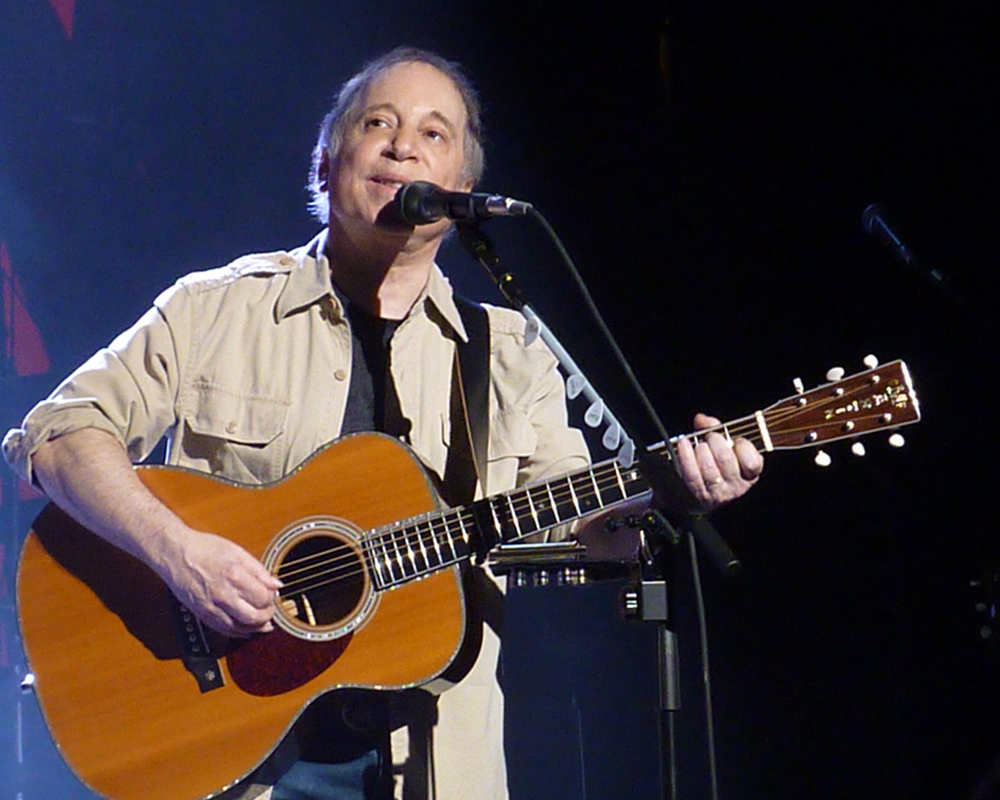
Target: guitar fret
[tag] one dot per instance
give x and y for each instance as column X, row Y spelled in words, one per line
column 426, row 534
column 437, row 543
column 372, row 559
column 532, row 510
column 545, row 512
column 529, row 520
column 514, row 516
column 386, row 557
column 612, row 492
column 586, row 500
column 618, row 477
column 451, row 540
column 382, row 559
column 572, row 492
column 446, row 543
column 567, row 509
column 497, row 524
column 635, row 485
column 465, row 533
column 597, row 490
column 398, row 555
column 423, row 552
column 552, row 503
column 410, row 557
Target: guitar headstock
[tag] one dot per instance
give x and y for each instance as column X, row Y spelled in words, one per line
column 879, row 399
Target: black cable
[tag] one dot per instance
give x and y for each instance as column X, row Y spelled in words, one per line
column 706, row 672
column 647, row 406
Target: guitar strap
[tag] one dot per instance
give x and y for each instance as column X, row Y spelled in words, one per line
column 470, row 393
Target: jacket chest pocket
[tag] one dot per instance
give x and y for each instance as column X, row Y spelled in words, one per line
column 512, row 443
column 237, row 436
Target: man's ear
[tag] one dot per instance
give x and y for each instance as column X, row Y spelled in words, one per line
column 323, row 172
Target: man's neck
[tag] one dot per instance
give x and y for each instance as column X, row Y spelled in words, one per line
column 384, row 277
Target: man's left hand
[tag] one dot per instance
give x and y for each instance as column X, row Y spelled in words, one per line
column 717, row 469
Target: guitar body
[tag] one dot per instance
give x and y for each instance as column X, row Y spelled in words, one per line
column 103, row 635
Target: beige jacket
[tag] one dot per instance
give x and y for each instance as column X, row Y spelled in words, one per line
column 246, row 370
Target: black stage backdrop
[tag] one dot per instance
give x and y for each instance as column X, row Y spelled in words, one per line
column 707, row 165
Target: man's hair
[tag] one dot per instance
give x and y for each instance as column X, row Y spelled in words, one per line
column 345, row 108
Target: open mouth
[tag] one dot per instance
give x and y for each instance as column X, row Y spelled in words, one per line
column 390, row 182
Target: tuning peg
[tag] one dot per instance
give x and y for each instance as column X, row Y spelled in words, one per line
column 834, row 374
column 858, row 448
column 799, row 386
column 870, row 361
column 822, row 459
column 897, row 440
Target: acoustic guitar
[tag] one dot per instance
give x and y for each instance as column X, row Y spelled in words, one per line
column 145, row 704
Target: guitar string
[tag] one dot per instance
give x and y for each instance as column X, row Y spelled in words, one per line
column 401, row 553
column 604, row 475
column 519, row 503
column 522, row 507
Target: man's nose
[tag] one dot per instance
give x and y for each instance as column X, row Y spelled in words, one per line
column 402, row 144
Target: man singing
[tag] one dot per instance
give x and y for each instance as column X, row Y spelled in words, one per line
column 250, row 368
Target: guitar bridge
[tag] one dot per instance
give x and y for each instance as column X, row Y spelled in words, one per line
column 196, row 654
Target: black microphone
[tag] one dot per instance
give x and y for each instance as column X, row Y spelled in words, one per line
column 421, row 202
column 873, row 221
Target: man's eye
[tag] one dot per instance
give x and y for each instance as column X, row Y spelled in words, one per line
column 435, row 135
column 376, row 122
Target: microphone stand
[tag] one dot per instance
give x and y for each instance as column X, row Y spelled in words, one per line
column 673, row 505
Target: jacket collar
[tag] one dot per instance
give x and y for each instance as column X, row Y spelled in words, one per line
column 309, row 282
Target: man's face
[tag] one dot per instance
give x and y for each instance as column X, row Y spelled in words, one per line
column 410, row 126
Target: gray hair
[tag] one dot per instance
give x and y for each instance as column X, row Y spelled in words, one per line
column 345, row 108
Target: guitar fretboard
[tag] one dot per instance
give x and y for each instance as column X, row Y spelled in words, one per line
column 419, row 546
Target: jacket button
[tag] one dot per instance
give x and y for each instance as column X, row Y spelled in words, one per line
column 230, row 427
column 340, row 374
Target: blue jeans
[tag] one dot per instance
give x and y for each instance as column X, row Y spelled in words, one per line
column 367, row 777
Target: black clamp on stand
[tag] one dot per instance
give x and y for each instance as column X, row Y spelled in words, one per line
column 674, row 509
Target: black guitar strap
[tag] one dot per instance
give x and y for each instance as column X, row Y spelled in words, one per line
column 470, row 407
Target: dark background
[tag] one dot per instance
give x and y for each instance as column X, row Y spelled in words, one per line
column 706, row 164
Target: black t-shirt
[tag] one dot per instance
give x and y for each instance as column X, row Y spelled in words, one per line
column 372, row 402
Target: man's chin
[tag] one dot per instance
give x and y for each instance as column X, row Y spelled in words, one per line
column 389, row 218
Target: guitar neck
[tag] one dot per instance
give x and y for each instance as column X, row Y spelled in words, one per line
column 419, row 546
column 881, row 398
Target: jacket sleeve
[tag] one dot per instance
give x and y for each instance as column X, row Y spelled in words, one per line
column 128, row 389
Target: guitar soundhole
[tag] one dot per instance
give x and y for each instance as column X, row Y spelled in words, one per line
column 324, row 579
column 327, row 590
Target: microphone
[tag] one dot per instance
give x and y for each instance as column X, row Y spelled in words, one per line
column 873, row 221
column 421, row 202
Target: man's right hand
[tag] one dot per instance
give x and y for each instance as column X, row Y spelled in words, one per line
column 220, row 582
column 88, row 474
